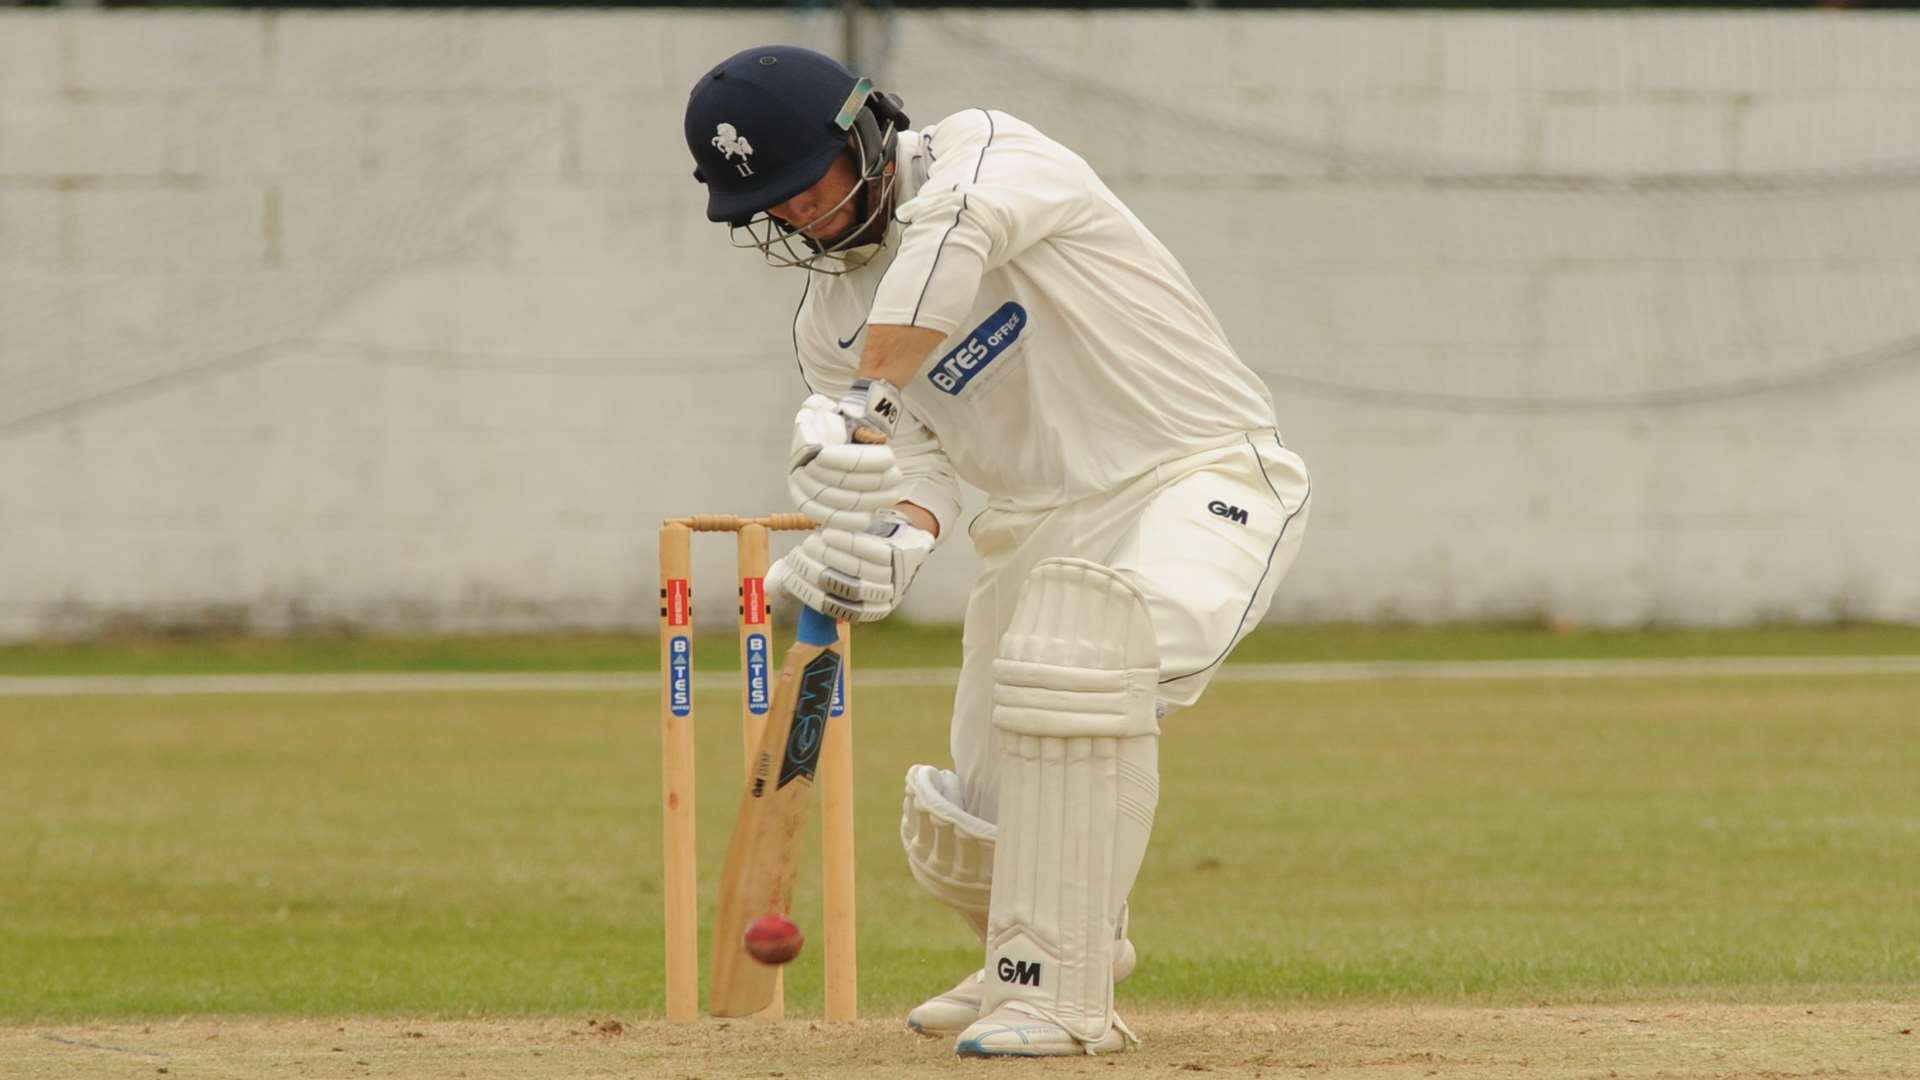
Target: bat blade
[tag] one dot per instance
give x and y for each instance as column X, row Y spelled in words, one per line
column 762, row 854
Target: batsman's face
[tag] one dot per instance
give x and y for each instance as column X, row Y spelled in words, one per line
column 824, row 210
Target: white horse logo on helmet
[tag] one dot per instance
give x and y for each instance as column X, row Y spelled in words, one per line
column 731, row 143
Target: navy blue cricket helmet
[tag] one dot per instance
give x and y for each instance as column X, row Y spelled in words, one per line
column 766, row 123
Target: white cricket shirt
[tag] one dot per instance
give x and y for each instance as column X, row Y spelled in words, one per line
column 1078, row 355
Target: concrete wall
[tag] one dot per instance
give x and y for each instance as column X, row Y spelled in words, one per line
column 413, row 321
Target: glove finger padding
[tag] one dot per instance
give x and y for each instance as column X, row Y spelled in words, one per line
column 871, row 464
column 858, row 566
column 806, row 578
column 843, row 486
column 855, row 548
column 854, row 590
column 839, row 576
column 859, row 576
column 810, row 486
column 879, row 488
column 806, row 592
column 831, row 517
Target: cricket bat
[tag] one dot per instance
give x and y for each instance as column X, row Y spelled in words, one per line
column 763, row 852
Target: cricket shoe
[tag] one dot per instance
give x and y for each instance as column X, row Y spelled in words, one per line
column 1015, row 1030
column 949, row 1014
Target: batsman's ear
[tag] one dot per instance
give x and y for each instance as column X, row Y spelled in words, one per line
column 698, row 175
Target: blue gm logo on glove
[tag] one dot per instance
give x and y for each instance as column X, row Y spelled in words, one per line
column 988, row 340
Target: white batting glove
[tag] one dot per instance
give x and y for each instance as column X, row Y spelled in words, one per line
column 834, row 479
column 860, row 577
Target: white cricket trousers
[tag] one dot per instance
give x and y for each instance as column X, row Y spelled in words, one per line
column 1205, row 538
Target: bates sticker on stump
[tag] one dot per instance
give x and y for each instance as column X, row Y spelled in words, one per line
column 680, row 674
column 757, row 667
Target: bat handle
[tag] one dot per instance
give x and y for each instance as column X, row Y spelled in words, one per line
column 817, row 629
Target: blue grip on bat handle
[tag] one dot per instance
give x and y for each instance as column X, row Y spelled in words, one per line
column 817, row 629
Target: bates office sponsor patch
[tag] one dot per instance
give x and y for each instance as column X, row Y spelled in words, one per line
column 952, row 372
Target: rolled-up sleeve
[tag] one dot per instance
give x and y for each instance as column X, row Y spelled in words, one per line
column 986, row 199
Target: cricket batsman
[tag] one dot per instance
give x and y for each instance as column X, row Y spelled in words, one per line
column 978, row 306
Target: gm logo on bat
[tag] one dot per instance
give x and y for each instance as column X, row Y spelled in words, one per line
column 818, row 681
column 991, row 338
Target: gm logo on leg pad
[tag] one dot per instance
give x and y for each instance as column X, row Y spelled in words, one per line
column 1018, row 972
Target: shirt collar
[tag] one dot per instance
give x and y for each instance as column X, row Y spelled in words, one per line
column 909, row 165
column 909, row 173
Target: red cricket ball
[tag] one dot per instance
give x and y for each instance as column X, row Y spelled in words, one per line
column 773, row 939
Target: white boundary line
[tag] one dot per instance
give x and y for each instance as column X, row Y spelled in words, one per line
column 602, row 682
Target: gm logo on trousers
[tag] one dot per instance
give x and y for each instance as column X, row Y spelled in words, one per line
column 1228, row 511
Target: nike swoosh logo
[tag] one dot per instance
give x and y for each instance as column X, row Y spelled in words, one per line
column 848, row 343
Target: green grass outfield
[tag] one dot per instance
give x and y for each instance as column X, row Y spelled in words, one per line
column 893, row 644
column 1725, row 839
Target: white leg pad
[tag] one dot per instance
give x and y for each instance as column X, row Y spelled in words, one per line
column 949, row 850
column 1079, row 780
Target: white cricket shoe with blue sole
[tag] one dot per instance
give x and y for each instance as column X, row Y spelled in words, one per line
column 950, row 1013
column 1013, row 1030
